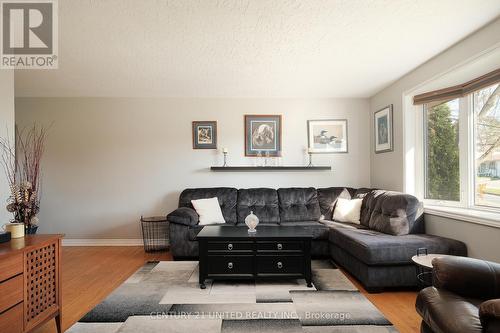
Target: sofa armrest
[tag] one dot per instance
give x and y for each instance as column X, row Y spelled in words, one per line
column 467, row 277
column 184, row 215
column 489, row 314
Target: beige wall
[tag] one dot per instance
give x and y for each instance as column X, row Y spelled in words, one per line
column 482, row 240
column 387, row 170
column 6, row 128
column 110, row 160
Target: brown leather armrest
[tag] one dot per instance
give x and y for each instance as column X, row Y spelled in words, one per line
column 467, row 277
column 489, row 314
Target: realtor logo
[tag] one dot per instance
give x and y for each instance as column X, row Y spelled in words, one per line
column 28, row 34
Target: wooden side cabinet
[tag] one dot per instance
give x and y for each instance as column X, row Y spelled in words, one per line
column 30, row 283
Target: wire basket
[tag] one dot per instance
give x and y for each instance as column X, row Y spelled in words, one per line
column 155, row 233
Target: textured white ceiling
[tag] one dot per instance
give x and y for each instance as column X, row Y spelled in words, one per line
column 247, row 48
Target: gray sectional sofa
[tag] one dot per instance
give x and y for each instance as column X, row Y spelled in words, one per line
column 377, row 252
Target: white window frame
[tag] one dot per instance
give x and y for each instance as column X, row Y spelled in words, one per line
column 412, row 141
column 472, row 164
column 466, row 159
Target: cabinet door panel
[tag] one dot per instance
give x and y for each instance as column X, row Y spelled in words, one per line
column 41, row 284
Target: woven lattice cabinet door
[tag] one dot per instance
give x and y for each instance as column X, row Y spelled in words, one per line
column 41, row 284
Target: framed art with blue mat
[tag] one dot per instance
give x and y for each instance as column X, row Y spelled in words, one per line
column 204, row 135
column 263, row 135
column 383, row 130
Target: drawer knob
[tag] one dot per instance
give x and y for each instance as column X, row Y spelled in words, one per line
column 230, row 265
column 229, row 246
column 280, row 246
column 280, row 265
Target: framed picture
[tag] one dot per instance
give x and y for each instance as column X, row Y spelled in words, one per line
column 204, row 135
column 262, row 134
column 327, row 136
column 383, row 130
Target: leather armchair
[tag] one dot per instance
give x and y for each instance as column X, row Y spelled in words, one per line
column 489, row 313
column 465, row 297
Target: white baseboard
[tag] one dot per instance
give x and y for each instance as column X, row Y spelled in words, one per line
column 101, row 242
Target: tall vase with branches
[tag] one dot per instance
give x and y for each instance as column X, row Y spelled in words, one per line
column 21, row 163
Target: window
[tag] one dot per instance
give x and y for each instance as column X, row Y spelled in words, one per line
column 461, row 151
column 442, row 165
column 486, row 108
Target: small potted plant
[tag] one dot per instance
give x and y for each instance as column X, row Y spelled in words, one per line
column 21, row 162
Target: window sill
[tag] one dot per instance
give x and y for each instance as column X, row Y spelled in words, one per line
column 490, row 219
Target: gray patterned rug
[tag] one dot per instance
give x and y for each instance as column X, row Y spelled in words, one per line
column 164, row 297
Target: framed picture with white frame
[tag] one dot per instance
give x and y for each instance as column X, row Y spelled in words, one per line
column 327, row 136
column 383, row 130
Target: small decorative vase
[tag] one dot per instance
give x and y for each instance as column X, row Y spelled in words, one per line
column 252, row 221
column 31, row 229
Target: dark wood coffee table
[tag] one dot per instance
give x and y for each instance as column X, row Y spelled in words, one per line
column 274, row 252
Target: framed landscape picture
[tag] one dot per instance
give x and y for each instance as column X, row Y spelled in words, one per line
column 204, row 135
column 327, row 136
column 262, row 134
column 383, row 130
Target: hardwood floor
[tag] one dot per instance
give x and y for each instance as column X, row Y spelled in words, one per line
column 397, row 306
column 89, row 274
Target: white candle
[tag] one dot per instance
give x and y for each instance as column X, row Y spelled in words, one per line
column 224, row 150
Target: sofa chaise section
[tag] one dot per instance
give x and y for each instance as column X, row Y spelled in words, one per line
column 380, row 260
column 379, row 250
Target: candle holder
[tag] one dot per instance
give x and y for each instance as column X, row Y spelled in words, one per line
column 266, row 158
column 225, row 159
column 310, row 160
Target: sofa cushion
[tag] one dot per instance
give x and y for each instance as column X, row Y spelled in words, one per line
column 225, row 195
column 298, row 204
column 376, row 248
column 347, row 210
column 208, row 210
column 393, row 213
column 318, row 230
column 262, row 201
column 444, row 311
column 327, row 198
column 337, row 224
column 183, row 215
column 361, row 192
column 368, row 205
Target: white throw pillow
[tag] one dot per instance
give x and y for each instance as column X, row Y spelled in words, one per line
column 347, row 210
column 209, row 211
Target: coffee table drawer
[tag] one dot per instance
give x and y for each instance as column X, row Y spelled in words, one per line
column 230, row 247
column 277, row 246
column 230, row 265
column 280, row 265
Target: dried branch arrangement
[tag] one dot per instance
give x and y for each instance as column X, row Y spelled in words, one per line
column 21, row 162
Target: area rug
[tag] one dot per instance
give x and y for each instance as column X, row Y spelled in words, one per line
column 164, row 297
